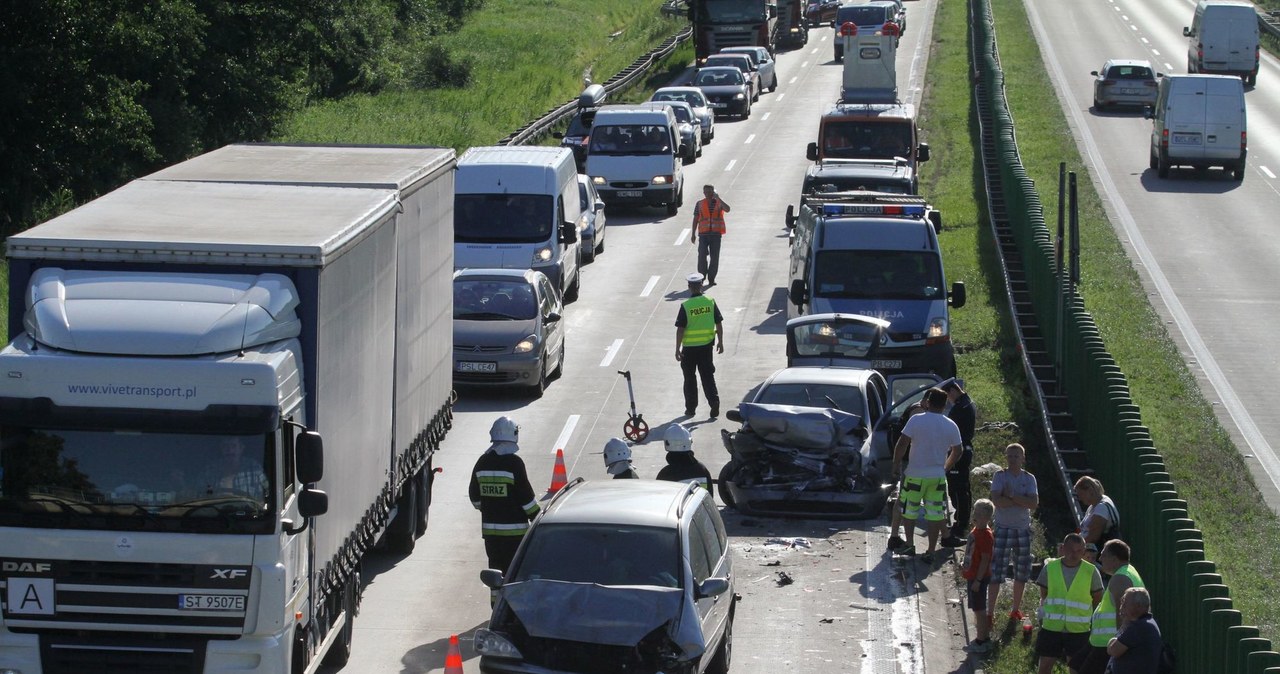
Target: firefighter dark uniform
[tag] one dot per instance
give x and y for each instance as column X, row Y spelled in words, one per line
column 698, row 331
column 965, row 415
column 682, row 465
column 500, row 490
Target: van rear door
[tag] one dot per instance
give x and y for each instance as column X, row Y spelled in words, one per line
column 1242, row 42
column 1224, row 118
column 1185, row 118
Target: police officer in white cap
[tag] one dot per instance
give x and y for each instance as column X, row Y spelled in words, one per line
column 699, row 326
column 617, row 460
column 682, row 465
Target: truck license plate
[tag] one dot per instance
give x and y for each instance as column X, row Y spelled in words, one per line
column 210, row 602
column 886, row 365
column 630, row 194
column 1186, row 139
column 467, row 366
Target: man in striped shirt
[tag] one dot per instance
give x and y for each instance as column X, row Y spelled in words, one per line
column 500, row 490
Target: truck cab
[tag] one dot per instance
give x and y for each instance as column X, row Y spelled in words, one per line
column 882, row 131
column 877, row 255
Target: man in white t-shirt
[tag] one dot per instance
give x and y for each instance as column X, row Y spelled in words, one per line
column 935, row 444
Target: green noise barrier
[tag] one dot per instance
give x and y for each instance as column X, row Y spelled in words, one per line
column 1190, row 602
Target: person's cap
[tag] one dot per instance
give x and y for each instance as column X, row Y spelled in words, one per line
column 695, row 278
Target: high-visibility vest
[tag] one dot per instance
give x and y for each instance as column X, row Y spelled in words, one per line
column 710, row 221
column 1068, row 609
column 700, row 317
column 1104, row 618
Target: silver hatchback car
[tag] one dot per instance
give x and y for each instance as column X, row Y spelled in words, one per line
column 506, row 328
column 696, row 100
column 615, row 576
column 1125, row 82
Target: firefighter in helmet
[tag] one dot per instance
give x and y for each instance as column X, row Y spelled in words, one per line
column 682, row 465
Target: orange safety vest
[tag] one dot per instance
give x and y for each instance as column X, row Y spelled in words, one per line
column 709, row 221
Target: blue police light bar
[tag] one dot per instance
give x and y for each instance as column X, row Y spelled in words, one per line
column 872, row 209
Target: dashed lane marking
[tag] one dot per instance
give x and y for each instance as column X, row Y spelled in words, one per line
column 613, row 351
column 653, row 281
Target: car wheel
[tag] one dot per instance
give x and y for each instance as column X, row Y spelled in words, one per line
column 1162, row 165
column 571, row 293
column 539, row 387
column 755, row 96
column 600, row 243
column 726, row 476
column 1251, row 80
column 1097, row 106
column 724, row 654
column 1237, row 171
column 589, row 252
column 774, row 86
column 559, row 371
column 673, row 207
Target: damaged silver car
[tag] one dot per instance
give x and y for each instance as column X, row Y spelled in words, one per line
column 626, row 576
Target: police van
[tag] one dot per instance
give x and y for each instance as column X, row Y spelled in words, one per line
column 876, row 254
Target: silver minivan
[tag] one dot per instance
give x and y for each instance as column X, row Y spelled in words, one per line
column 1199, row 121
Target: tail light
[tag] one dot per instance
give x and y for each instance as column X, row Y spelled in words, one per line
column 1244, row 141
column 1164, row 139
column 1200, row 52
column 891, row 29
column 848, row 28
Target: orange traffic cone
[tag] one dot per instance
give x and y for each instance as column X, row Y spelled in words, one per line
column 559, row 477
column 453, row 660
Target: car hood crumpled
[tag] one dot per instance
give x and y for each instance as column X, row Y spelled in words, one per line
column 599, row 614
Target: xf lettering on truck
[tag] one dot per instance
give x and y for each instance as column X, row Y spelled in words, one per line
column 229, row 574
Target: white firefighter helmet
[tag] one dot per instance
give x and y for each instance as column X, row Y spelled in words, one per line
column 678, row 439
column 616, row 450
column 504, row 429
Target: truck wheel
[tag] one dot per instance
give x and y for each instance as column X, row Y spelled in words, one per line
column 726, row 476
column 301, row 651
column 402, row 532
column 424, row 497
column 340, row 652
column 1237, row 171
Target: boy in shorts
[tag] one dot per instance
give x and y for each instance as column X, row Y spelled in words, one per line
column 977, row 573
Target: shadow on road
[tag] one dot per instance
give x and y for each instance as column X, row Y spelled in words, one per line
column 1189, row 181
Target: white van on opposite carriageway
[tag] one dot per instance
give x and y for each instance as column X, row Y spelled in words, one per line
column 518, row 208
column 1199, row 121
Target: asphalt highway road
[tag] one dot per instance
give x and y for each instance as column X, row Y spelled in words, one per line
column 1204, row 245
column 849, row 608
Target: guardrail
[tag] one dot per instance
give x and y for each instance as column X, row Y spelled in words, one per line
column 1269, row 22
column 1194, row 606
column 540, row 126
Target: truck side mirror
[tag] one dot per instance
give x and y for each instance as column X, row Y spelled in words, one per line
column 797, row 292
column 922, row 152
column 791, row 216
column 309, row 457
column 313, row 503
column 811, row 152
column 957, row 294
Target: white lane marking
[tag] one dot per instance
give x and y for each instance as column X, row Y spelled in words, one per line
column 1168, row 66
column 806, row 63
column 891, row 586
column 613, row 351
column 729, row 167
column 1124, row 17
column 766, row 116
column 1155, row 51
column 1268, row 172
column 1144, row 40
column 680, row 239
column 569, row 425
column 749, row 139
column 779, row 98
column 1132, row 27
column 653, row 280
column 793, row 80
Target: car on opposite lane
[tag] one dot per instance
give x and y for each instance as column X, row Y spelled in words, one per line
column 615, row 576
column 1125, row 82
column 727, row 91
column 507, row 329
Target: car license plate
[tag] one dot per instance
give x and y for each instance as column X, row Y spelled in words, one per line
column 630, row 194
column 1130, row 92
column 1186, row 139
column 719, row 105
column 467, row 366
column 210, row 602
column 886, row 365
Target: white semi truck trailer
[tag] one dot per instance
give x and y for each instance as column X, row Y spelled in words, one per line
column 225, row 384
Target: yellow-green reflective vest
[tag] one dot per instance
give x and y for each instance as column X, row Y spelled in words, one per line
column 1068, row 609
column 1104, row 618
column 700, row 325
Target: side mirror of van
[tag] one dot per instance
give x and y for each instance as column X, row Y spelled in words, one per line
column 1148, row 112
column 569, row 232
column 811, row 152
column 791, row 217
column 957, row 295
column 798, row 292
column 1186, row 31
column 922, row 152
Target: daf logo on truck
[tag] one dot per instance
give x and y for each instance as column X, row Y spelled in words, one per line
column 26, row 567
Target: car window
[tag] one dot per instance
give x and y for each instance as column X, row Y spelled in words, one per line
column 549, row 298
column 699, row 557
column 601, row 553
column 682, row 113
column 844, row 398
column 862, row 15
column 630, row 139
column 720, row 539
column 493, row 300
column 1129, row 73
column 718, row 78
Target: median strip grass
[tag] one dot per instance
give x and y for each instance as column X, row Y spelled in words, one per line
column 1206, row 467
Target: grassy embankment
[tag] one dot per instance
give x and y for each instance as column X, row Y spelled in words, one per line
column 1201, row 459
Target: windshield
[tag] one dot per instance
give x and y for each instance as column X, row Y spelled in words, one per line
column 630, row 139
column 136, row 480
column 605, row 554
column 718, row 78
column 820, row 184
column 863, row 15
column 693, row 98
column 730, row 11
column 580, row 123
column 502, row 218
column 878, row 274
column 866, row 139
column 493, row 300
column 844, row 398
column 682, row 114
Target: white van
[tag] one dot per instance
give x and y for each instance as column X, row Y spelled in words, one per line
column 1199, row 121
column 633, row 157
column 518, row 208
column 1223, row 40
